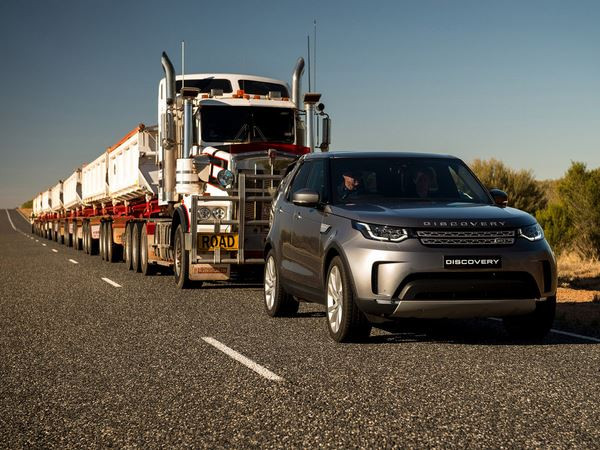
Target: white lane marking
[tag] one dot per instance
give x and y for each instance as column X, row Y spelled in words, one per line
column 10, row 220
column 565, row 333
column 73, row 261
column 54, row 250
column 37, row 240
column 111, row 282
column 242, row 359
column 44, row 245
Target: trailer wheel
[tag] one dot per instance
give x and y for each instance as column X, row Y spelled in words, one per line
column 102, row 241
column 135, row 247
column 127, row 250
column 181, row 260
column 111, row 249
column 91, row 242
column 146, row 267
column 86, row 238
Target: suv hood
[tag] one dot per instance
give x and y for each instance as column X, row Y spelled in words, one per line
column 434, row 215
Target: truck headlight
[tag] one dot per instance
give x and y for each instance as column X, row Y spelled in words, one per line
column 225, row 178
column 204, row 213
column 381, row 232
column 532, row 232
column 219, row 213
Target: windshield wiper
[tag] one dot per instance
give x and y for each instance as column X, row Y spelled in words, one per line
column 238, row 135
column 255, row 130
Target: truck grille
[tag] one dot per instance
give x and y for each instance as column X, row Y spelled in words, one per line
column 457, row 238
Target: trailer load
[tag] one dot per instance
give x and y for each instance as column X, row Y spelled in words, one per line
column 192, row 193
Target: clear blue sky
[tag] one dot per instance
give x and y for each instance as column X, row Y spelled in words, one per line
column 515, row 80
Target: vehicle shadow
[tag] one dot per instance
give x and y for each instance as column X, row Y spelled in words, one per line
column 469, row 332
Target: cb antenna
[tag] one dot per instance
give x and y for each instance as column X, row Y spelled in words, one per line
column 182, row 64
column 308, row 48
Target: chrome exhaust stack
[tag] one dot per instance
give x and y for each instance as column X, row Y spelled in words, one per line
column 296, row 81
column 169, row 149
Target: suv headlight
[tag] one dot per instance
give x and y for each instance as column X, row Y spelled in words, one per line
column 384, row 233
column 532, row 232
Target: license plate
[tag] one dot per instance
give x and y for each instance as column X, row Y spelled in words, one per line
column 472, row 262
column 210, row 242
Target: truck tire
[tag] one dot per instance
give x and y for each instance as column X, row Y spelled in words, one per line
column 345, row 322
column 145, row 267
column 535, row 325
column 93, row 243
column 135, row 247
column 181, row 257
column 102, row 241
column 111, row 249
column 86, row 238
column 127, row 251
column 278, row 303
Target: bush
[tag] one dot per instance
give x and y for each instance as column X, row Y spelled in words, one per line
column 27, row 204
column 557, row 226
column 579, row 192
column 524, row 192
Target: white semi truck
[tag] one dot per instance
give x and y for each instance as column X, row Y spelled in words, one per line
column 193, row 192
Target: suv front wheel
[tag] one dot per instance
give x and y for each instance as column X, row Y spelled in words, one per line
column 345, row 322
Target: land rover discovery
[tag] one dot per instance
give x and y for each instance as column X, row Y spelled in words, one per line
column 376, row 236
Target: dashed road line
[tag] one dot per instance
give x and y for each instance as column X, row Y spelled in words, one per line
column 54, row 250
column 111, row 282
column 45, row 245
column 243, row 360
column 10, row 220
column 73, row 261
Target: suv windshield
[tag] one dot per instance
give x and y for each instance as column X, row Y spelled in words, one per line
column 404, row 179
column 247, row 124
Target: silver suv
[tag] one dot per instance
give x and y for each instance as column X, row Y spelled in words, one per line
column 377, row 236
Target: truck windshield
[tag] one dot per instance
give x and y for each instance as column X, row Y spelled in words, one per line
column 246, row 124
column 404, row 179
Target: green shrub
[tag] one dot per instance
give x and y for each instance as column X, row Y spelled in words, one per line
column 557, row 226
column 27, row 205
column 579, row 192
column 524, row 192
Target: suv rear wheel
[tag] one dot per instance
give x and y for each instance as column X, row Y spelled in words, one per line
column 345, row 322
column 278, row 303
column 534, row 325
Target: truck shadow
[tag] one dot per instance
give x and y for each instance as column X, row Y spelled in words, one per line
column 469, row 332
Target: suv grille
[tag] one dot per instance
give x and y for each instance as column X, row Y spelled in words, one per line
column 466, row 238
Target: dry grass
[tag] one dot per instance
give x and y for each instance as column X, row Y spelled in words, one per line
column 577, row 273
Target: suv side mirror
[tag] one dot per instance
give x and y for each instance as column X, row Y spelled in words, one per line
column 306, row 197
column 500, row 197
column 326, row 134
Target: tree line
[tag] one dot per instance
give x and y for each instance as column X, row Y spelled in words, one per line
column 568, row 209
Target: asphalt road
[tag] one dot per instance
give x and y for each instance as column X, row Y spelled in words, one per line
column 84, row 363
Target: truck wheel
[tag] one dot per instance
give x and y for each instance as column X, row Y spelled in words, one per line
column 345, row 322
column 110, row 248
column 86, row 247
column 127, row 246
column 278, row 303
column 135, row 247
column 102, row 241
column 145, row 267
column 181, row 258
column 535, row 325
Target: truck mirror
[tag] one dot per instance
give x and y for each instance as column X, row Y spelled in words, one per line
column 202, row 167
column 326, row 134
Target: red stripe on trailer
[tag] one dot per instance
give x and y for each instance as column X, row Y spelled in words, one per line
column 140, row 127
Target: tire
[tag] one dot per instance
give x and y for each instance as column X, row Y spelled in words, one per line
column 110, row 248
column 87, row 238
column 278, row 303
column 535, row 325
column 181, row 257
column 135, row 247
column 127, row 251
column 102, row 241
column 345, row 322
column 93, row 244
column 145, row 267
